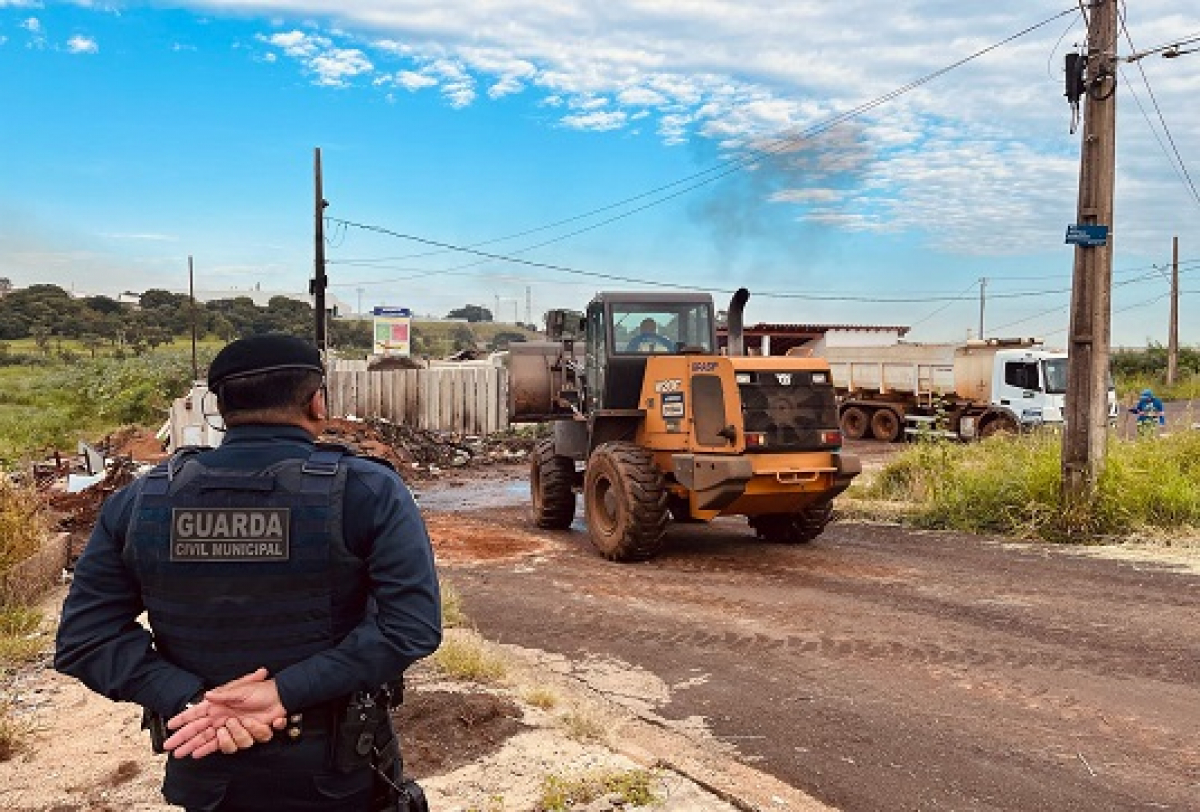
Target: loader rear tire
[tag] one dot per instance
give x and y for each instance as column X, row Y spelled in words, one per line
column 793, row 528
column 854, row 423
column 625, row 502
column 885, row 425
column 551, row 477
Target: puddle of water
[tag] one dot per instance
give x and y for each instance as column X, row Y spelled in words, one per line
column 473, row 495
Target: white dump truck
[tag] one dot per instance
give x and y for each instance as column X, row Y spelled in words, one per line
column 967, row 391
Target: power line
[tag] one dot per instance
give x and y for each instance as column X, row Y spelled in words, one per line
column 1177, row 164
column 677, row 286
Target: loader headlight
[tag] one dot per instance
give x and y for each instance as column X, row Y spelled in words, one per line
column 756, row 439
column 744, row 377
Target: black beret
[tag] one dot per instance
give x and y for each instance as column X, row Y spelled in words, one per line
column 269, row 352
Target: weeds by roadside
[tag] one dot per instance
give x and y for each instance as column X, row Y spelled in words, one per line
column 467, row 656
column 583, row 727
column 632, row 787
column 1012, row 486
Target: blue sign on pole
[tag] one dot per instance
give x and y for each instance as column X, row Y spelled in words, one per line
column 1087, row 235
column 384, row 310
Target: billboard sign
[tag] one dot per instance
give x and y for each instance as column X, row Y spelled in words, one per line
column 392, row 331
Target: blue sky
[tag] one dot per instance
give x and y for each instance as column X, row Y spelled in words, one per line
column 681, row 142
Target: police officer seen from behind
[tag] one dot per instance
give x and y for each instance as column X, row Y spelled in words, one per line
column 284, row 584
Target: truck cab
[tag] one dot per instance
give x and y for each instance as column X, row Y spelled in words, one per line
column 1033, row 385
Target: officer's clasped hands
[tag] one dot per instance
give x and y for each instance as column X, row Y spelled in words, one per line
column 233, row 717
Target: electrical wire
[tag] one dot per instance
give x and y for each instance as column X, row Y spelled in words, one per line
column 962, row 298
column 680, row 286
column 1177, row 163
column 773, row 147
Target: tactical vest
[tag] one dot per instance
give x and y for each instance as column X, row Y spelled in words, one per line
column 241, row 569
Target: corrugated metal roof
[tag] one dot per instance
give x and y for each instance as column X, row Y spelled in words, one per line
column 776, row 328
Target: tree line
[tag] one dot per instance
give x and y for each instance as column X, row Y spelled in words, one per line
column 45, row 313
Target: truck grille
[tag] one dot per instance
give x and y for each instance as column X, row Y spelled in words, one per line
column 792, row 412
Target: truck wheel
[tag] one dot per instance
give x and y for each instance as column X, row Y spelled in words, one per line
column 854, row 423
column 885, row 425
column 793, row 528
column 998, row 425
column 551, row 477
column 625, row 502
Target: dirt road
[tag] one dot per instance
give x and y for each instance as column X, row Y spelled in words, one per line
column 878, row 668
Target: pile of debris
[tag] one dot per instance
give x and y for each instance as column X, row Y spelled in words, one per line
column 422, row 453
column 77, row 511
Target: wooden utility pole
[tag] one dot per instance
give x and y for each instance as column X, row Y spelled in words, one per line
column 192, row 314
column 319, row 281
column 982, row 299
column 1173, row 329
column 1086, row 412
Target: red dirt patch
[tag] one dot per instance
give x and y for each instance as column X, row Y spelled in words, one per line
column 459, row 538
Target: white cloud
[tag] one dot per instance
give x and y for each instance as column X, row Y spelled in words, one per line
column 79, row 44
column 412, row 80
column 145, row 237
column 33, row 25
column 331, row 66
column 599, row 121
column 335, row 66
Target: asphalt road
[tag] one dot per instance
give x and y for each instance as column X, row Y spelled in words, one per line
column 878, row 668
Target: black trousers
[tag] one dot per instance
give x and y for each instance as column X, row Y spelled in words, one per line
column 272, row 777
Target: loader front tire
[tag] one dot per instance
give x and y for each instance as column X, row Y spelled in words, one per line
column 625, row 502
column 551, row 480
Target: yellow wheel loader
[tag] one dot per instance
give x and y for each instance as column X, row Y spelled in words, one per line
column 652, row 423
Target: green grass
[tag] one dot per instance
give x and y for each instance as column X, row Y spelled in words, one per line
column 470, row 658
column 582, row 726
column 1186, row 387
column 453, row 615
column 1012, row 486
column 631, row 787
column 57, row 403
column 23, row 524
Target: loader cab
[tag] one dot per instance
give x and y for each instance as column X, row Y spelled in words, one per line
column 625, row 329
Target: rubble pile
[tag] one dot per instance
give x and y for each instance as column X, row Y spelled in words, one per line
column 424, row 453
column 77, row 512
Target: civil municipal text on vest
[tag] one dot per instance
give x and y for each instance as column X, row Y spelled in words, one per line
column 230, row 534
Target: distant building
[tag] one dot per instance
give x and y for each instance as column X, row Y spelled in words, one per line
column 777, row 339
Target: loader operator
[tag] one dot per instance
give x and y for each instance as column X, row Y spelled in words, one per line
column 649, row 340
column 287, row 587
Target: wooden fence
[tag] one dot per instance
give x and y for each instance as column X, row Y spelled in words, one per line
column 465, row 398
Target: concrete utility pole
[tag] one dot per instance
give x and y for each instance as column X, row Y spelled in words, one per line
column 1173, row 329
column 1086, row 413
column 319, row 282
